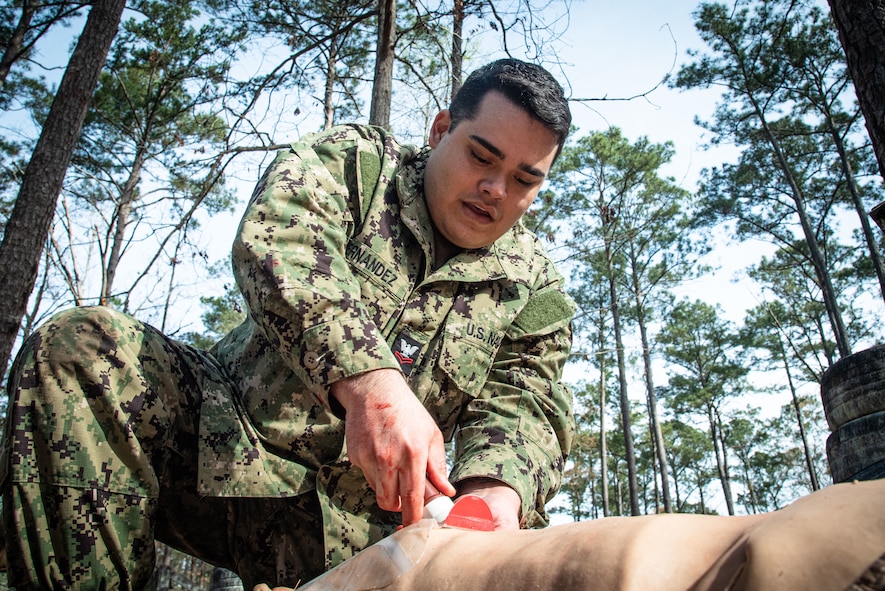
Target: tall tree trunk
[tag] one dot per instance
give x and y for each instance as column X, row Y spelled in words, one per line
column 651, row 399
column 719, row 452
column 678, row 506
column 861, row 28
column 622, row 379
column 329, row 88
column 128, row 197
column 170, row 289
column 70, row 272
column 703, row 502
column 840, row 335
column 851, row 181
column 809, row 463
column 457, row 45
column 379, row 112
column 18, row 44
column 603, row 440
column 655, row 426
column 16, row 41
column 29, row 224
column 750, row 500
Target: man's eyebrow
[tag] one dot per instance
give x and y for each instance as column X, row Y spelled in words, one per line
column 499, row 154
column 488, row 146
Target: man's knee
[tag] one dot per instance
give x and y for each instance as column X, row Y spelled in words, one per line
column 71, row 338
column 78, row 400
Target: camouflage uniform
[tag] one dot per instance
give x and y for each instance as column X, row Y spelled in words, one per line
column 121, row 430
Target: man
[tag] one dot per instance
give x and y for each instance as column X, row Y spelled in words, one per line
column 394, row 302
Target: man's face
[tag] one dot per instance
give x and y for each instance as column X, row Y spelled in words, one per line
column 484, row 174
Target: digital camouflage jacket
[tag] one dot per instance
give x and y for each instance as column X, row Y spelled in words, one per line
column 333, row 260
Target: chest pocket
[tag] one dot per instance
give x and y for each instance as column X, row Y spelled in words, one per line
column 474, row 331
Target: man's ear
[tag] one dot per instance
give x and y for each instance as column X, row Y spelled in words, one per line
column 441, row 125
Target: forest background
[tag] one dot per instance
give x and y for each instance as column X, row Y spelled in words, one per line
column 709, row 211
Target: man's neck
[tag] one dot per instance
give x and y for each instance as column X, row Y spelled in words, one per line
column 443, row 249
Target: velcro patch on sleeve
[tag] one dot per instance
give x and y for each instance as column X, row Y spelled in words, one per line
column 369, row 171
column 545, row 309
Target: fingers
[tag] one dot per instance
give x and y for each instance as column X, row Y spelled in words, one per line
column 386, row 484
column 437, row 469
column 403, row 487
column 502, row 500
column 412, row 496
column 393, row 439
column 399, row 484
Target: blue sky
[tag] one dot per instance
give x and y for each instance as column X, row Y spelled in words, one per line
column 621, row 50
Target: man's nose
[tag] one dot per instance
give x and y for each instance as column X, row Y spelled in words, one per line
column 494, row 186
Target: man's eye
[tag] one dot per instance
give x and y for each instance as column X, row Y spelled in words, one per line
column 524, row 182
column 479, row 158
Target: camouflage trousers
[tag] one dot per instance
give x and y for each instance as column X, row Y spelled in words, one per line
column 100, row 459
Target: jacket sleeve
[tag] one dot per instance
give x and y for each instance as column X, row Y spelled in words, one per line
column 290, row 265
column 519, row 429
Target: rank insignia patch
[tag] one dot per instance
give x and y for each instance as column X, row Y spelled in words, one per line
column 406, row 350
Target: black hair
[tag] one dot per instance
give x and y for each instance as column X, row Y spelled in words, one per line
column 527, row 85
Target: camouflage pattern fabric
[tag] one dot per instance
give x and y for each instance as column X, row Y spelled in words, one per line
column 101, row 459
column 333, row 257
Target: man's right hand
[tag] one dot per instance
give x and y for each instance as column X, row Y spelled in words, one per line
column 393, row 439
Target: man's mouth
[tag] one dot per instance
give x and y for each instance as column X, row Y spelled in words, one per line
column 479, row 211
